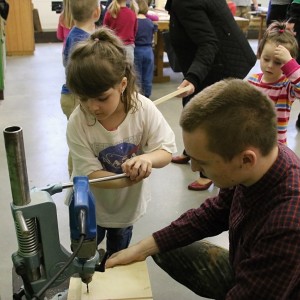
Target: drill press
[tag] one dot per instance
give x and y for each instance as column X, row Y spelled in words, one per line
column 41, row 261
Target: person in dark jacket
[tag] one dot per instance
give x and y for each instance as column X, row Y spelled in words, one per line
column 209, row 47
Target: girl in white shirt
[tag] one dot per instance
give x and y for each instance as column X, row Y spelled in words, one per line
column 114, row 130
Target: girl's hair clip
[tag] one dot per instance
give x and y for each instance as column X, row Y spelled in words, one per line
column 281, row 30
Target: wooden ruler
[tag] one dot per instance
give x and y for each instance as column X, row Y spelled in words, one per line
column 171, row 95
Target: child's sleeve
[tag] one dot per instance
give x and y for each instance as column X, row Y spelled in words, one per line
column 153, row 17
column 292, row 71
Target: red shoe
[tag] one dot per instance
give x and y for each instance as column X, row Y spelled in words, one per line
column 180, row 159
column 196, row 186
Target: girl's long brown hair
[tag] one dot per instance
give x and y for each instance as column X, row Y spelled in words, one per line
column 98, row 64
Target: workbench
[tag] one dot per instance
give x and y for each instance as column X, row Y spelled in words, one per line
column 159, row 49
column 159, row 64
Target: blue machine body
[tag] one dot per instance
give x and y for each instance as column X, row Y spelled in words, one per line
column 82, row 199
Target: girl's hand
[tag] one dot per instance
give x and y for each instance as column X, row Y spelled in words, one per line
column 137, row 168
column 282, row 54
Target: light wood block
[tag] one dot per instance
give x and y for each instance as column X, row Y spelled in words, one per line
column 129, row 282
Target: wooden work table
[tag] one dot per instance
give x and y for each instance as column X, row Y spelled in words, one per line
column 159, row 64
column 163, row 25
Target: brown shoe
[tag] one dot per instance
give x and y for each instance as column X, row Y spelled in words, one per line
column 180, row 159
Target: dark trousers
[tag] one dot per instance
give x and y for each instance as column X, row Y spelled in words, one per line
column 116, row 238
column 144, row 65
column 202, row 267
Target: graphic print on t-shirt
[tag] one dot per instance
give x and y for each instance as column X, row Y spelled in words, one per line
column 114, row 156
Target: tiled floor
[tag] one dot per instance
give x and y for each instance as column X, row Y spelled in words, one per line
column 32, row 93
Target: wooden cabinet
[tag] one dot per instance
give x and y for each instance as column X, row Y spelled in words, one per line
column 19, row 28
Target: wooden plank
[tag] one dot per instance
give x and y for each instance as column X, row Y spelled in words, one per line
column 171, row 95
column 129, row 282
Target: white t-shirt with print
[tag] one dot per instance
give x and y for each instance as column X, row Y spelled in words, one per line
column 94, row 148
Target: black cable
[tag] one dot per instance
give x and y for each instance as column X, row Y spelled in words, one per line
column 69, row 261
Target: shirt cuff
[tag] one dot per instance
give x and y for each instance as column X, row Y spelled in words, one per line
column 290, row 67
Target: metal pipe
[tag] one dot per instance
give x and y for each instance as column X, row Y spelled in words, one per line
column 100, row 179
column 16, row 161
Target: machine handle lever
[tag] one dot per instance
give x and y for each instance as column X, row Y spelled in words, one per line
column 58, row 187
column 22, row 223
column 91, row 181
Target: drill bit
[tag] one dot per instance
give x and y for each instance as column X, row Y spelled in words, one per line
column 87, row 288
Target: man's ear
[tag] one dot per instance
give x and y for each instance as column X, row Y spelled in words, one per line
column 248, row 159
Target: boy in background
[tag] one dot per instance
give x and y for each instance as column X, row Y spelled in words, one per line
column 85, row 14
column 143, row 52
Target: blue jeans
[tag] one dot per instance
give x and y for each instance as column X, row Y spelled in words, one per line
column 144, row 64
column 116, row 238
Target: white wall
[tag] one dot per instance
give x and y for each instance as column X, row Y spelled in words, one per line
column 49, row 19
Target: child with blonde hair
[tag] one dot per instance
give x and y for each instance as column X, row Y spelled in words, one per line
column 114, row 130
column 65, row 23
column 123, row 21
column 280, row 76
column 85, row 14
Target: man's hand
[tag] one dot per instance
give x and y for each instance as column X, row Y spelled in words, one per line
column 137, row 252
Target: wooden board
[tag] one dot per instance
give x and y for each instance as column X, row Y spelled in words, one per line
column 129, row 282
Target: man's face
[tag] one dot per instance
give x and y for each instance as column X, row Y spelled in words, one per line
column 224, row 174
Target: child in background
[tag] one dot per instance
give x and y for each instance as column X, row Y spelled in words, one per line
column 123, row 21
column 143, row 52
column 151, row 15
column 114, row 130
column 280, row 77
column 65, row 23
column 232, row 7
column 84, row 13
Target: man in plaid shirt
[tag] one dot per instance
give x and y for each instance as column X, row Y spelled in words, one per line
column 229, row 131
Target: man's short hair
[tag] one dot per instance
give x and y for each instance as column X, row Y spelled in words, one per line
column 234, row 115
